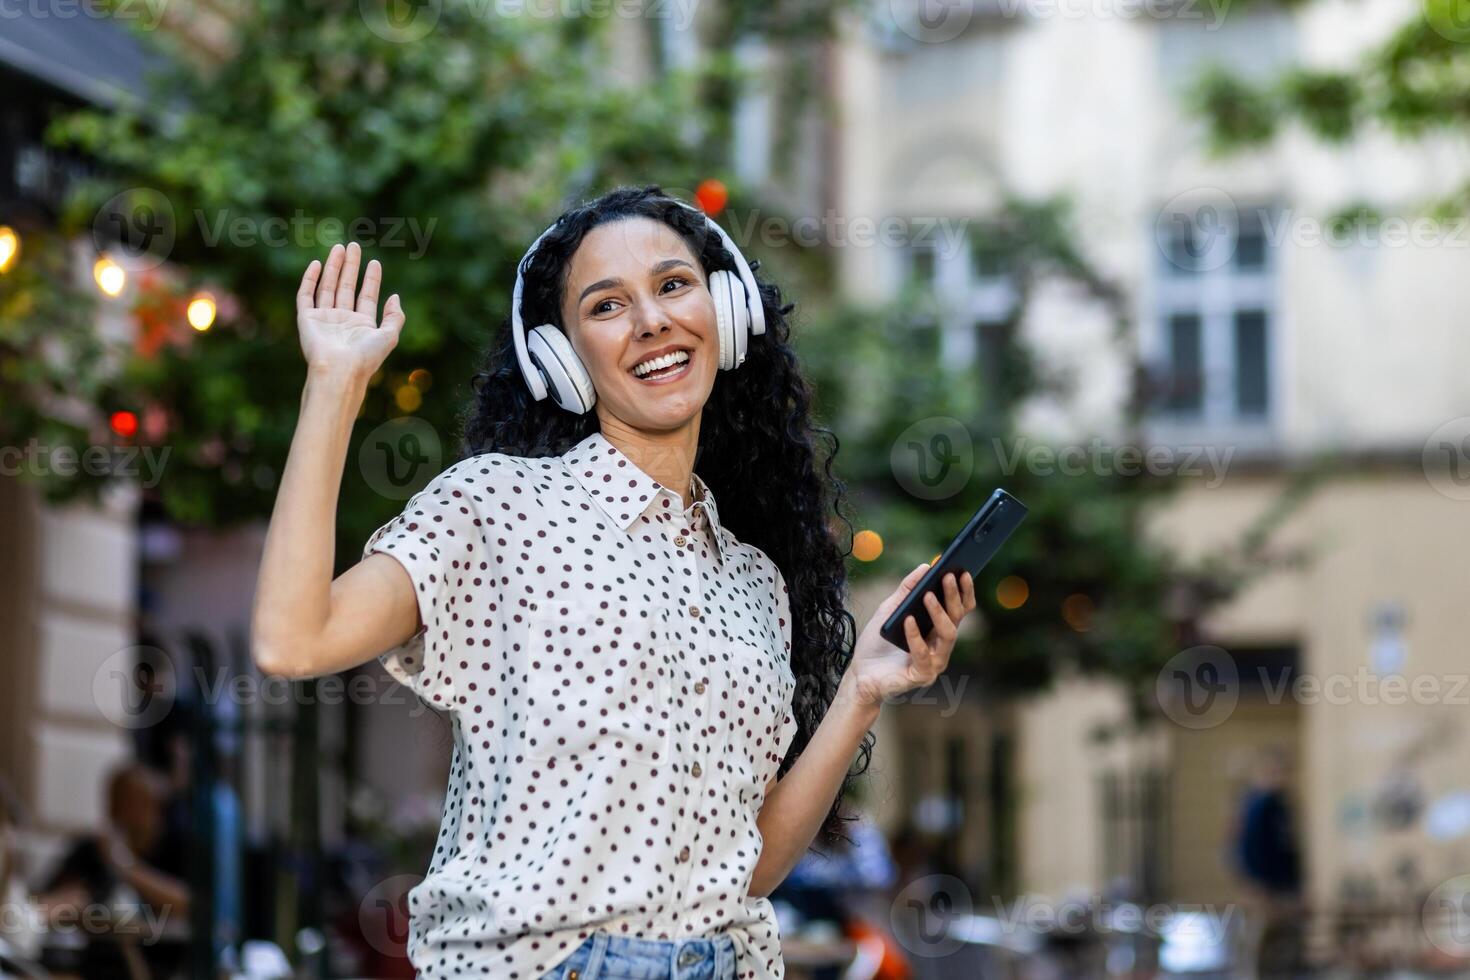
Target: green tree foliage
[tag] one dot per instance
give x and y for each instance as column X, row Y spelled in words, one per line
column 448, row 150
column 1102, row 596
column 1415, row 83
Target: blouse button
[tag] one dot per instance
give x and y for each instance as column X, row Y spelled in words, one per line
column 694, row 611
column 679, row 541
column 695, row 771
column 699, row 687
column 684, row 853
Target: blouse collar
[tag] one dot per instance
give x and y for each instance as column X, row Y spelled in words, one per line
column 624, row 491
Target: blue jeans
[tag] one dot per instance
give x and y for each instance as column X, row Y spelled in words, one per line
column 603, row 956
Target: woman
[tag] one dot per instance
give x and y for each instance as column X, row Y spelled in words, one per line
column 633, row 770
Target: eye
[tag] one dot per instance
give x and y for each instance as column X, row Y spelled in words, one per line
column 675, row 280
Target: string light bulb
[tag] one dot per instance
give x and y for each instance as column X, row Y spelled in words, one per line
column 201, row 312
column 9, row 247
column 110, row 277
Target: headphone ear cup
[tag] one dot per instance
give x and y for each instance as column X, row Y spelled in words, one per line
column 731, row 317
column 566, row 376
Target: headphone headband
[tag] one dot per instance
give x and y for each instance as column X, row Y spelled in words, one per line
column 529, row 370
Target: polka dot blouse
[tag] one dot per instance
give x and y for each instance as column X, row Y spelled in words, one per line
column 617, row 670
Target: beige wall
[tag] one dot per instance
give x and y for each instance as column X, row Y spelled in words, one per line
column 73, row 569
column 1060, row 805
column 1380, row 536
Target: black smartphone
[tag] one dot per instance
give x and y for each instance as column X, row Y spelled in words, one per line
column 969, row 552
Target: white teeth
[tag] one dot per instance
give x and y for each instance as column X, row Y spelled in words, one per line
column 659, row 363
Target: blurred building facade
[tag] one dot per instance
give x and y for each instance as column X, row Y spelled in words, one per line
column 71, row 581
column 1277, row 350
column 1274, row 345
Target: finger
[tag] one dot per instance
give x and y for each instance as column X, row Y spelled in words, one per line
column 393, row 314
column 347, row 285
column 326, row 291
column 307, row 290
column 944, row 628
column 952, row 603
column 969, row 584
column 918, row 648
column 367, row 300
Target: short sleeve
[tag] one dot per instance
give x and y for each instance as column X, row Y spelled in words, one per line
column 439, row 539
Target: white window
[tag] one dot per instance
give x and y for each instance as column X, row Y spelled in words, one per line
column 973, row 284
column 678, row 42
column 752, row 123
column 1211, row 332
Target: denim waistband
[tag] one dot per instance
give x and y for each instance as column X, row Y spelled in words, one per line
column 634, row 958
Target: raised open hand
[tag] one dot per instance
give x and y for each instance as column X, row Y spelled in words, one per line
column 338, row 324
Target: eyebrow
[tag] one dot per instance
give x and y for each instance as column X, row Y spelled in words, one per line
column 663, row 266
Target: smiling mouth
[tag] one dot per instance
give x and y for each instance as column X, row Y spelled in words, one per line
column 669, row 372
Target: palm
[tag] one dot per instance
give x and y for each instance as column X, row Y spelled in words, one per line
column 879, row 669
column 338, row 322
column 334, row 334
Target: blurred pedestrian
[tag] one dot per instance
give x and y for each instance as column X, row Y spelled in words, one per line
column 127, row 872
column 1267, row 859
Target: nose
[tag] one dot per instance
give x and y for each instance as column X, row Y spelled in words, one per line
column 649, row 318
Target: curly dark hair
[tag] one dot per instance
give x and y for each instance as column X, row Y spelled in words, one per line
column 757, row 452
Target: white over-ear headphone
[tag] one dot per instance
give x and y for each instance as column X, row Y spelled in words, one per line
column 548, row 362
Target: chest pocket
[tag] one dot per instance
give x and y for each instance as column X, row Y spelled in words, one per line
column 760, row 688
column 599, row 682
